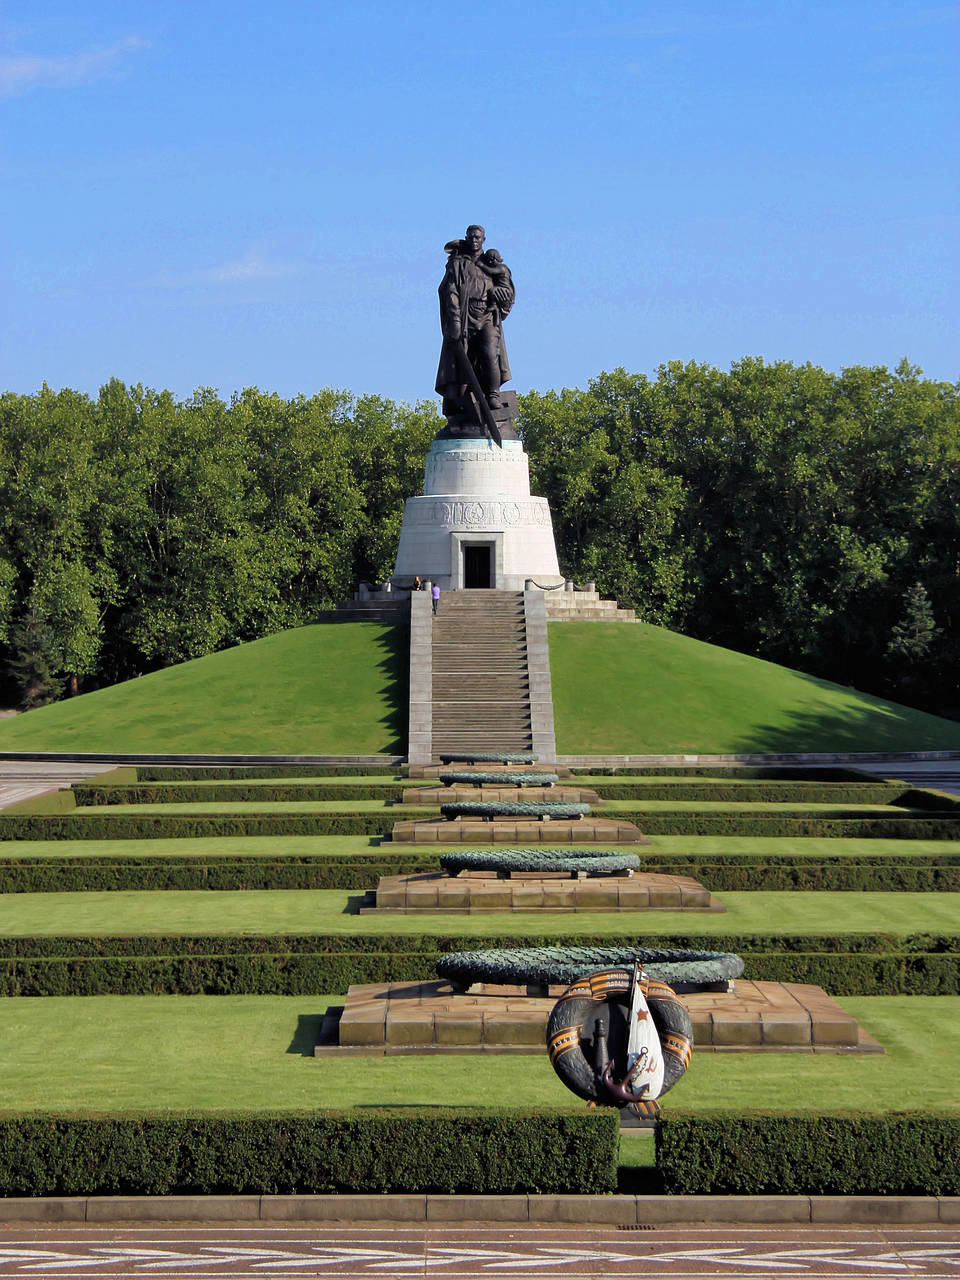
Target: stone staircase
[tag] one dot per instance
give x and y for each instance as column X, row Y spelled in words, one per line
column 481, row 683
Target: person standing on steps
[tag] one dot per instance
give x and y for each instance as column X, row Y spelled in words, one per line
column 435, row 596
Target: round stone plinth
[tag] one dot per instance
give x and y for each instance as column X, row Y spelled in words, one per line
column 477, row 495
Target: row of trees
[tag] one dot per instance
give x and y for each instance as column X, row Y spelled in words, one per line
column 808, row 517
column 136, row 531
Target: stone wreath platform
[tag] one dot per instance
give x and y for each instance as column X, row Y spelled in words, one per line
column 429, row 1017
column 586, row 830
column 436, row 770
column 462, row 791
column 478, row 891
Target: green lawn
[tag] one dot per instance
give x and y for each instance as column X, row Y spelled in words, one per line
column 329, row 689
column 327, row 911
column 107, row 1053
column 642, row 689
column 798, row 846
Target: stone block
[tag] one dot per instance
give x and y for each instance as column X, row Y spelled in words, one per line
column 173, row 1208
column 360, row 1026
column 664, row 897
column 781, row 1026
column 451, row 1028
column 514, row 1027
column 453, row 1208
column 874, row 1209
column 655, row 1210
column 43, row 1209
column 454, row 895
column 422, row 896
column 527, row 897
column 632, row 895
column 734, row 1028
column 589, row 1210
column 344, row 1208
column 410, row 1025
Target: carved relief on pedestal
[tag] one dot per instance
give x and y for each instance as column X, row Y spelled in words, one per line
column 494, row 515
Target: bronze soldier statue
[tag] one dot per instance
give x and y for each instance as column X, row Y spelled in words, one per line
column 476, row 293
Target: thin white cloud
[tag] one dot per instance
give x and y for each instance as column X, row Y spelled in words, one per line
column 20, row 72
column 250, row 266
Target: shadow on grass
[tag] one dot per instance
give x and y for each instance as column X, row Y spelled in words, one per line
column 353, row 904
column 395, row 663
column 885, row 726
column 306, row 1035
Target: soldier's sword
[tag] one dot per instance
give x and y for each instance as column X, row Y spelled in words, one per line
column 473, row 382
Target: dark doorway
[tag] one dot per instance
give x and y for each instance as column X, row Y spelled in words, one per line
column 476, row 566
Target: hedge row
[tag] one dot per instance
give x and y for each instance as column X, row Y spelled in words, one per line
column 92, row 793
column 211, row 773
column 101, row 824
column 919, row 874
column 75, row 875
column 305, row 973
column 786, row 825
column 442, row 1150
column 809, row 1153
column 847, row 944
column 763, row 772
column 751, row 793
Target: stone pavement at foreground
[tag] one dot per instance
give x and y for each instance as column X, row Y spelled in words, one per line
column 429, row 1017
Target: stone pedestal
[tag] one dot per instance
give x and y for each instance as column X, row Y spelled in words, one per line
column 429, row 1017
column 476, row 524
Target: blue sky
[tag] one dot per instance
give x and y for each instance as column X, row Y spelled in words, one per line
column 240, row 194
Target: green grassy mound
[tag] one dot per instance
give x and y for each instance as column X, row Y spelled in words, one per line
column 660, row 692
column 329, row 689
column 219, row 1053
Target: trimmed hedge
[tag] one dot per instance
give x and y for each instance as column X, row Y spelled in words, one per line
column 73, row 875
column 847, row 944
column 92, row 793
column 761, row 771
column 809, row 1153
column 101, row 824
column 442, row 1150
column 214, row 773
column 918, row 873
column 785, row 825
column 914, row 873
column 748, row 793
column 227, row 966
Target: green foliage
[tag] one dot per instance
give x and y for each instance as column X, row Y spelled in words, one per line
column 736, row 872
column 94, row 874
column 191, row 970
column 780, row 510
column 809, row 1153
column 102, row 824
column 438, row 1150
column 774, row 509
column 141, row 531
column 92, row 793
column 746, row 793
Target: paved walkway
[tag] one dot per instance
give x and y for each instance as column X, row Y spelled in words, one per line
column 942, row 775
column 503, row 1251
column 26, row 779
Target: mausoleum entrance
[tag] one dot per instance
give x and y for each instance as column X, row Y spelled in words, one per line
column 477, row 566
